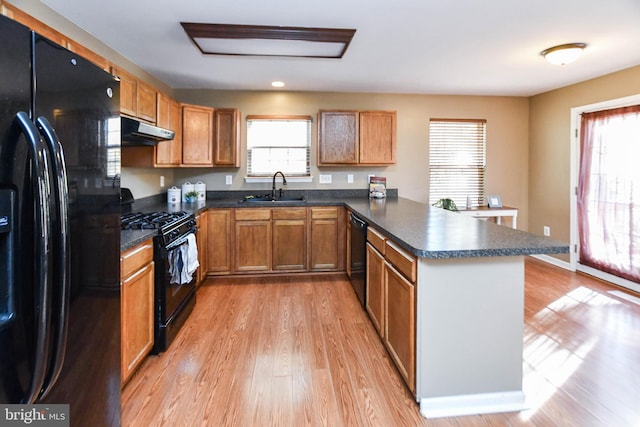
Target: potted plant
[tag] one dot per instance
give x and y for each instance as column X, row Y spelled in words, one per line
column 191, row 196
column 447, row 204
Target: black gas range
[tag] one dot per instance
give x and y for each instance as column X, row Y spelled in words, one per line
column 174, row 255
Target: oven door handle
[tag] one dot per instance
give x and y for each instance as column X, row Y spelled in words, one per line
column 181, row 240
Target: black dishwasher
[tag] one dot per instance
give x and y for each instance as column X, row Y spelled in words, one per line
column 358, row 256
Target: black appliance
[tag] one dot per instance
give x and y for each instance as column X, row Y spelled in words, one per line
column 358, row 256
column 174, row 300
column 59, row 229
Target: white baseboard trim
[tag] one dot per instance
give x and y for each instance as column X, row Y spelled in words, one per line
column 555, row 261
column 472, row 404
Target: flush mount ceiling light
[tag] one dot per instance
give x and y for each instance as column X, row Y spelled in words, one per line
column 564, row 53
column 261, row 40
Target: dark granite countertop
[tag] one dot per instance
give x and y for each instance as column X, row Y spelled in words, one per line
column 131, row 238
column 421, row 229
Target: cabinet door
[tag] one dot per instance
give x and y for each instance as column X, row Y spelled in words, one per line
column 377, row 137
column 147, row 102
column 137, row 318
column 128, row 92
column 219, row 242
column 400, row 336
column 201, row 240
column 197, row 135
column 375, row 295
column 252, row 240
column 226, row 147
column 289, row 239
column 327, row 239
column 337, row 137
column 169, row 153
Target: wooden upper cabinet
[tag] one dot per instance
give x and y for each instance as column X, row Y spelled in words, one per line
column 169, row 116
column 356, row 137
column 146, row 101
column 197, row 135
column 137, row 98
column 128, row 91
column 226, row 148
column 377, row 137
column 337, row 137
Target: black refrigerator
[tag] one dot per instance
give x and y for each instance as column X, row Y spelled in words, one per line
column 59, row 229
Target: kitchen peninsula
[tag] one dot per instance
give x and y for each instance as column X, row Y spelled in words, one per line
column 469, row 297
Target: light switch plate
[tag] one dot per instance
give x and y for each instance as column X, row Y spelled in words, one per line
column 228, row 179
column 325, row 179
column 349, row 178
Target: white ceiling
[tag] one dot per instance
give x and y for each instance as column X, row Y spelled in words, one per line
column 469, row 47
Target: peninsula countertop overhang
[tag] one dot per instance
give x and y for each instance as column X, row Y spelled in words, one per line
column 429, row 232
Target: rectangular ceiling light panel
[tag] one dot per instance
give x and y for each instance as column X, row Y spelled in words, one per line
column 224, row 39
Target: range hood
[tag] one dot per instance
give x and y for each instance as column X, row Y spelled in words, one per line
column 135, row 132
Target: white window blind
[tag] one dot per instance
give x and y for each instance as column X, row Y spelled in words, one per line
column 457, row 160
column 278, row 143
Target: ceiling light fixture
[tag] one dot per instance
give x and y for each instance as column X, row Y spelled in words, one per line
column 564, row 53
column 261, row 40
column 277, row 84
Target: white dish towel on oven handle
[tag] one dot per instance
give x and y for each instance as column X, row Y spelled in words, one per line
column 184, row 261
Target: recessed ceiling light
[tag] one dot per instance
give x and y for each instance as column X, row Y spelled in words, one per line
column 277, row 84
column 261, row 40
column 564, row 53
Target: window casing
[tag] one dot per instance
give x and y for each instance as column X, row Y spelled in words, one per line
column 278, row 143
column 457, row 160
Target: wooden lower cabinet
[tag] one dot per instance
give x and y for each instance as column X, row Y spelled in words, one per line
column 219, row 242
column 327, row 238
column 391, row 301
column 275, row 240
column 375, row 294
column 252, row 240
column 400, row 334
column 289, row 227
column 137, row 296
column 201, row 241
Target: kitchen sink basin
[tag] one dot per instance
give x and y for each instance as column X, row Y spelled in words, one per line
column 270, row 200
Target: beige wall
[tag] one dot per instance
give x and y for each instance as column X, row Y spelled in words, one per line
column 507, row 138
column 550, row 146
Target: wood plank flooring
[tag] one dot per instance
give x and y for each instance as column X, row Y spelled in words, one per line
column 302, row 352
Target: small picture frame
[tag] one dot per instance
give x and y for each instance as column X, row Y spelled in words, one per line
column 494, row 201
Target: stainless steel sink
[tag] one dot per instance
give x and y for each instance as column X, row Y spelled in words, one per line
column 271, row 200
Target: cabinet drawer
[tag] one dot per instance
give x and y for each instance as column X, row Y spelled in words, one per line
column 324, row 213
column 136, row 258
column 404, row 262
column 376, row 239
column 289, row 213
column 252, row 214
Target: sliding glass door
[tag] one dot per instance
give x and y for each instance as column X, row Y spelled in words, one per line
column 608, row 196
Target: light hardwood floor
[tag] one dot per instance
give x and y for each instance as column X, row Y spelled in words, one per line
column 302, row 352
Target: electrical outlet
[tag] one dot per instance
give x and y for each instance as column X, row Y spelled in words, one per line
column 325, row 179
column 369, row 177
column 349, row 178
column 546, row 230
column 161, row 181
column 228, row 179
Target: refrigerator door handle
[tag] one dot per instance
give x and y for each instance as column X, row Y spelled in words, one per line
column 61, row 248
column 42, row 200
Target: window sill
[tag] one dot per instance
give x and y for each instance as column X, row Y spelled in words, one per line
column 269, row 179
